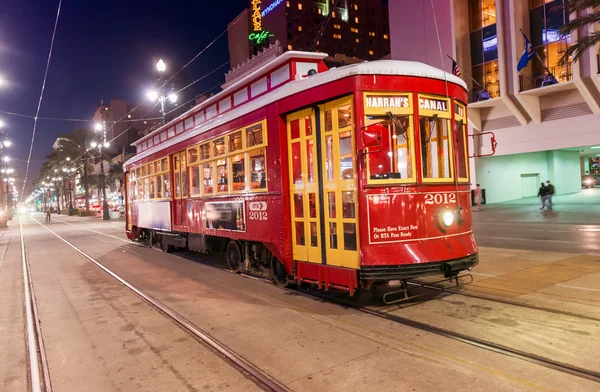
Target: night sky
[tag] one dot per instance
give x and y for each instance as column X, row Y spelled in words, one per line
column 102, row 50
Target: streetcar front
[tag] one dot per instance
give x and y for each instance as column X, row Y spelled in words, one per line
column 416, row 219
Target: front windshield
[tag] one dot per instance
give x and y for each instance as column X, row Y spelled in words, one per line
column 395, row 159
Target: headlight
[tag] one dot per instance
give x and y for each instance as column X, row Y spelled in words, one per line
column 22, row 210
column 448, row 218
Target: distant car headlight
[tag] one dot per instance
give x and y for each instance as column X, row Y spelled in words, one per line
column 22, row 210
column 447, row 218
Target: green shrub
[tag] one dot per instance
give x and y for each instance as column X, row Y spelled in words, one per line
column 88, row 213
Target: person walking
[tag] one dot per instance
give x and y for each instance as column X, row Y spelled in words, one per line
column 543, row 194
column 478, row 197
column 550, row 193
column 48, row 214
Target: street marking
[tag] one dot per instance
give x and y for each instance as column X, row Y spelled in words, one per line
column 479, row 273
column 589, row 229
column 535, row 239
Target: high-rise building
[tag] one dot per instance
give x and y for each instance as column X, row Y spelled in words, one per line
column 357, row 29
column 126, row 123
column 544, row 116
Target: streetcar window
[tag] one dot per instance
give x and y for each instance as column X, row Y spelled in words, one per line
column 296, row 163
column 333, row 235
column 254, row 136
column 328, row 121
column 195, row 176
column 348, row 205
column 205, row 151
column 183, row 177
column 308, row 125
column 150, row 187
column 159, row 182
column 393, row 159
column 238, row 173
column 294, row 129
column 331, row 204
column 156, row 167
column 349, row 236
column 150, row 169
column 435, row 147
column 164, row 164
column 329, row 157
column 346, row 156
column 193, row 155
column 167, row 189
column 298, row 205
column 310, row 160
column 140, row 193
column 146, row 186
column 222, row 179
column 461, row 149
column 314, row 237
column 300, row 233
column 344, row 116
column 235, row 141
column 207, row 178
column 219, row 146
column 258, row 177
column 312, row 205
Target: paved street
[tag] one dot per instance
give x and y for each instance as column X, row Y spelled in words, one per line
column 573, row 226
column 99, row 336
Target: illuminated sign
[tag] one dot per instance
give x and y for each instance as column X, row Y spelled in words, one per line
column 387, row 102
column 258, row 35
column 433, row 104
column 271, row 7
column 256, row 16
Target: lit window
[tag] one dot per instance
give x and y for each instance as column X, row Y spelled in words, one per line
column 287, row 4
column 355, row 7
column 357, row 40
column 385, row 36
column 299, row 28
column 371, row 34
column 337, row 36
column 319, row 11
column 299, row 6
column 337, row 26
column 354, row 30
column 333, row 14
column 356, row 19
column 145, row 122
column 371, row 52
column 129, row 116
column 290, row 47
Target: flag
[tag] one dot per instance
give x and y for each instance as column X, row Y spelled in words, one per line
column 455, row 68
column 527, row 55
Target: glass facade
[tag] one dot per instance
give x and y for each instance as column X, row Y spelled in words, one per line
column 546, row 18
column 484, row 48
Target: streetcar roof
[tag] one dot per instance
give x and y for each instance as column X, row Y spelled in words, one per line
column 377, row 67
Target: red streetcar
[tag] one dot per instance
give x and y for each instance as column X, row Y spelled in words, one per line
column 343, row 177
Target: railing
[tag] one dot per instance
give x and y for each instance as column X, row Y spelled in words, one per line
column 561, row 73
column 493, row 91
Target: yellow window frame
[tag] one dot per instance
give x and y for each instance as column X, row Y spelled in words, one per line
column 457, row 118
column 445, row 115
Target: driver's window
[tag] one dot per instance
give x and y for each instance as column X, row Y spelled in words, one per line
column 394, row 159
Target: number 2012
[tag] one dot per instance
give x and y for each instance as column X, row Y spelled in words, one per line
column 440, row 198
column 258, row 215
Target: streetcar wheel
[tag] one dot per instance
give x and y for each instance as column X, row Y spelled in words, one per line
column 234, row 257
column 280, row 275
column 165, row 247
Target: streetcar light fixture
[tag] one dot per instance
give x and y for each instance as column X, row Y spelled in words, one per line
column 448, row 218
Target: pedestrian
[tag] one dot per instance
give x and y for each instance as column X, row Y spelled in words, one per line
column 478, row 197
column 48, row 214
column 543, row 195
column 550, row 193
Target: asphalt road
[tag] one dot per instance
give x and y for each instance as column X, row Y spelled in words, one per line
column 561, row 237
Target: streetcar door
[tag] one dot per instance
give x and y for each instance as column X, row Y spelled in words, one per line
column 304, row 189
column 128, row 199
column 179, row 188
column 322, row 167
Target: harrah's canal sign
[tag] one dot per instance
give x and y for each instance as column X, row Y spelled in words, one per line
column 258, row 35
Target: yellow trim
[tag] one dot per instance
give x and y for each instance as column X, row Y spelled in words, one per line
column 411, row 149
column 457, row 118
column 150, row 175
column 383, row 111
column 429, row 112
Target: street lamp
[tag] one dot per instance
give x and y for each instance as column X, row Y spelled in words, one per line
column 159, row 93
column 104, row 143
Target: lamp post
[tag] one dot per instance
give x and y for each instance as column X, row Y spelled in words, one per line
column 103, row 143
column 159, row 93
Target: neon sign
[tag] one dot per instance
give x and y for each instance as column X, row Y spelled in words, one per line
column 258, row 35
column 271, row 7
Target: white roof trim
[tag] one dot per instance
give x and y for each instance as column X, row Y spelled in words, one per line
column 379, row 67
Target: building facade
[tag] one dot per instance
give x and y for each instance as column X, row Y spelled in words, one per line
column 357, row 29
column 543, row 117
column 126, row 123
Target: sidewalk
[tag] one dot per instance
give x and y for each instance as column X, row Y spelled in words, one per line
column 580, row 208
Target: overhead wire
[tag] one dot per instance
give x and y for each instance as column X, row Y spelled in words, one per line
column 68, row 119
column 41, row 97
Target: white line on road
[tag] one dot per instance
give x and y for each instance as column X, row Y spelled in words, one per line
column 479, row 273
column 577, row 287
column 586, row 229
column 535, row 239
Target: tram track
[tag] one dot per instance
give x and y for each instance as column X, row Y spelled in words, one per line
column 242, row 365
column 549, row 363
column 37, row 365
